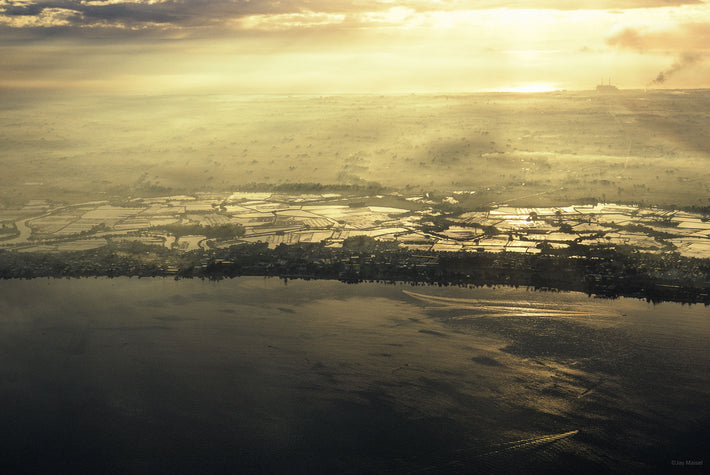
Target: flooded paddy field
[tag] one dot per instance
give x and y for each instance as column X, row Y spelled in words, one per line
column 277, row 218
column 250, row 375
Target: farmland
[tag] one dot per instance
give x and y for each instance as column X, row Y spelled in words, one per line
column 213, row 220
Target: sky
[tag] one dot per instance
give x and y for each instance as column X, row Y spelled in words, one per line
column 351, row 46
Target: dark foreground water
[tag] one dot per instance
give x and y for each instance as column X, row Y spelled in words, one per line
column 253, row 376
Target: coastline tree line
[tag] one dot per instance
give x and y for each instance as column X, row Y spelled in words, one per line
column 605, row 272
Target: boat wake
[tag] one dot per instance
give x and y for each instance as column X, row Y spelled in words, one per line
column 526, row 443
column 500, row 308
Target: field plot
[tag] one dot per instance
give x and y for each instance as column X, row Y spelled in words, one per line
column 210, row 219
column 109, row 217
column 693, row 247
column 8, row 216
column 53, row 224
column 157, row 221
column 447, row 246
column 66, row 246
column 81, row 244
column 189, row 243
column 199, row 207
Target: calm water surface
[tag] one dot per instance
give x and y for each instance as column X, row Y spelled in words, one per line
column 253, row 376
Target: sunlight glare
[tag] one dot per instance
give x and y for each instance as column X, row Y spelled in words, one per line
column 530, row 88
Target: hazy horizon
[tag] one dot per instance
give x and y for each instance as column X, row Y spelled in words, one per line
column 31, row 94
column 377, row 46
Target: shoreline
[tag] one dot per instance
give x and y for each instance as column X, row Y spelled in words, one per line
column 608, row 274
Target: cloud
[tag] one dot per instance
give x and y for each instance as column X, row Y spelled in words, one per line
column 628, row 38
column 694, row 36
column 200, row 14
column 112, row 13
column 336, row 45
column 688, row 42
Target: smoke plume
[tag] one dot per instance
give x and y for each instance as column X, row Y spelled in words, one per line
column 684, row 61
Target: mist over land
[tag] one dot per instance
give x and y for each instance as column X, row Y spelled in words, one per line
column 523, row 149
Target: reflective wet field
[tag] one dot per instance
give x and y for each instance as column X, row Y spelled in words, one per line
column 254, row 375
